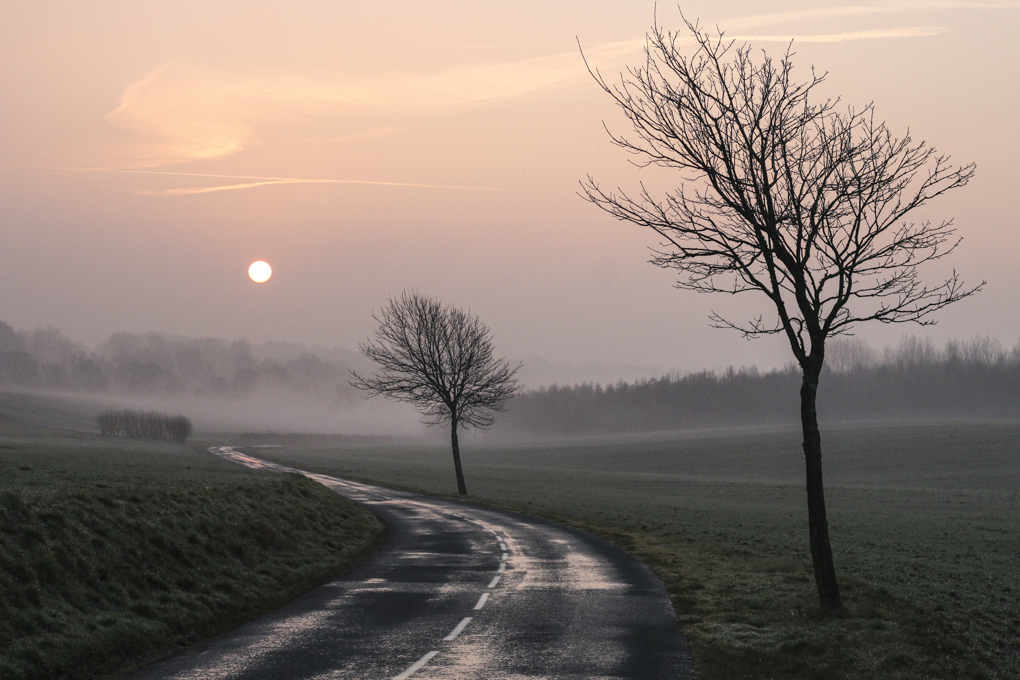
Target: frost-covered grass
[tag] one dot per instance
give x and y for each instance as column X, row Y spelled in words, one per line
column 925, row 523
column 115, row 552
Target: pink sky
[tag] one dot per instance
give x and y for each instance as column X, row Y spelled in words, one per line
column 152, row 151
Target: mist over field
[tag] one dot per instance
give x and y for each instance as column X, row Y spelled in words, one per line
column 236, row 386
column 219, row 384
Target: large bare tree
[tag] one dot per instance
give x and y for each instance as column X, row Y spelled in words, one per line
column 787, row 197
column 438, row 358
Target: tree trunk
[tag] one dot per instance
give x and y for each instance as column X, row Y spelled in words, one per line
column 461, row 486
column 818, row 526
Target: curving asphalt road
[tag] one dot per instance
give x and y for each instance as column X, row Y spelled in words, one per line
column 456, row 592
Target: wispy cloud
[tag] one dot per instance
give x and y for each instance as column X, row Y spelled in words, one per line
column 907, row 6
column 185, row 111
column 905, row 32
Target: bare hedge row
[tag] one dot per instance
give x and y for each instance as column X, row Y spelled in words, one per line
column 145, row 424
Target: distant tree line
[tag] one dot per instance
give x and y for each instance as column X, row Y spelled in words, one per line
column 963, row 379
column 155, row 364
column 144, row 424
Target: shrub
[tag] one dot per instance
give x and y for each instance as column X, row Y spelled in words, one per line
column 144, row 424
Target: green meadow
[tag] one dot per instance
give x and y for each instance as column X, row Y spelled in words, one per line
column 114, row 551
column 925, row 522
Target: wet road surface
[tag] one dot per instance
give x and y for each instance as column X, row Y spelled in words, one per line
column 456, row 592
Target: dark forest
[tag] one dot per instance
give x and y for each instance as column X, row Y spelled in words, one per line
column 976, row 379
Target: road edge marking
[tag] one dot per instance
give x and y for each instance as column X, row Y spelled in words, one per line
column 458, row 629
column 417, row 665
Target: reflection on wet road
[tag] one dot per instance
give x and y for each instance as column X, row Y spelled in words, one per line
column 456, row 592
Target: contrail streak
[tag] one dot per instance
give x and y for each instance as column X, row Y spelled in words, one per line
column 261, row 180
column 228, row 187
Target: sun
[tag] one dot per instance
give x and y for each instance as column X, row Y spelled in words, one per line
column 260, row 271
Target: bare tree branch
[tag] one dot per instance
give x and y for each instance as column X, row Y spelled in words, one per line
column 795, row 200
column 439, row 359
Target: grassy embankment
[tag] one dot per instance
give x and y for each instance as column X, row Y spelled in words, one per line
column 925, row 520
column 114, row 552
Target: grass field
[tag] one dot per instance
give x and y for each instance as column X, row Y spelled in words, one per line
column 925, row 523
column 115, row 551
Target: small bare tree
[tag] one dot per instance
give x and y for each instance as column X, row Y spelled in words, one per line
column 439, row 359
column 795, row 200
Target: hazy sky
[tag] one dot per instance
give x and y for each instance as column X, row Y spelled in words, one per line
column 151, row 151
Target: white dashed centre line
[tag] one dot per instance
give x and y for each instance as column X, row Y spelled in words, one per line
column 481, row 601
column 458, row 629
column 502, row 545
column 502, row 567
column 415, row 666
column 503, row 558
column 494, row 581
